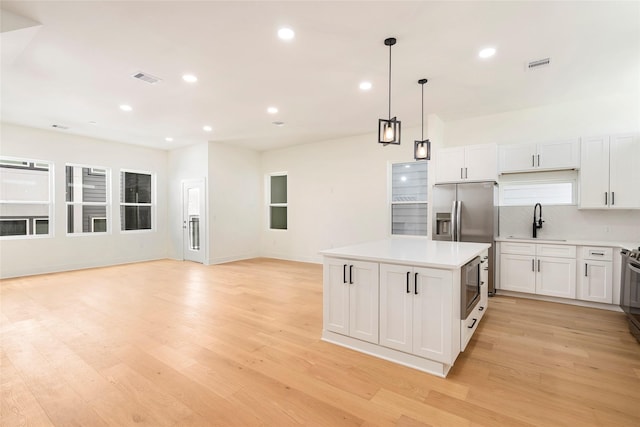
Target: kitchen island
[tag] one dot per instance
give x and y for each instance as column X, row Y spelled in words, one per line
column 399, row 299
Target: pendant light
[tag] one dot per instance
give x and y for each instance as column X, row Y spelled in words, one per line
column 389, row 129
column 422, row 149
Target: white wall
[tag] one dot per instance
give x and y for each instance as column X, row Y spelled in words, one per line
column 62, row 252
column 589, row 117
column 235, row 194
column 184, row 164
column 337, row 193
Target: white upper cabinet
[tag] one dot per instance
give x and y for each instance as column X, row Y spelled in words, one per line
column 610, row 167
column 545, row 156
column 469, row 163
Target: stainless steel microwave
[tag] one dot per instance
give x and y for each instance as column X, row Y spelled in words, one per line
column 469, row 287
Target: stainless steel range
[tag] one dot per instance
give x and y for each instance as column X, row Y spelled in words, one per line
column 630, row 289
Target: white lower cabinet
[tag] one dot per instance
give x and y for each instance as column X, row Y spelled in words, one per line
column 416, row 311
column 595, row 274
column 542, row 269
column 351, row 298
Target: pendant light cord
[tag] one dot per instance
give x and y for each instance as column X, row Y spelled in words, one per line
column 390, row 82
column 422, row 111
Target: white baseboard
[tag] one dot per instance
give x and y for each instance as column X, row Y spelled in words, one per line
column 610, row 307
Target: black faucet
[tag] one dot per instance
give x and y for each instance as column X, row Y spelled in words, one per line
column 537, row 223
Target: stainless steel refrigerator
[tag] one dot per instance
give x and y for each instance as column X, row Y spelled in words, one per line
column 467, row 212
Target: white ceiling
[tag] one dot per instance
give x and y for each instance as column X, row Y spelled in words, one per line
column 76, row 66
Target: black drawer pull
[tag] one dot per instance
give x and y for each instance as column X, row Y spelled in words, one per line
column 351, row 274
column 473, row 324
column 344, row 273
column 481, row 308
column 408, row 274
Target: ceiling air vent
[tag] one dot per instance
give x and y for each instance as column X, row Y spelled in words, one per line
column 532, row 65
column 147, row 78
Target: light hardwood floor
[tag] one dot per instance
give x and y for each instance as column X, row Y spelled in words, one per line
column 170, row 343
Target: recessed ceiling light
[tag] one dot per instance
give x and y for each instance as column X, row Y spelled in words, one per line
column 93, row 122
column 279, row 124
column 272, row 110
column 168, row 139
column 365, row 85
column 125, row 107
column 189, row 78
column 207, row 128
column 286, row 33
column 487, row 52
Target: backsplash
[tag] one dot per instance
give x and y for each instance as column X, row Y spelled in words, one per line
column 568, row 222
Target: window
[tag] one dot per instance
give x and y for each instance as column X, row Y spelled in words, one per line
column 278, row 201
column 548, row 188
column 25, row 197
column 87, row 196
column 136, row 200
column 409, row 189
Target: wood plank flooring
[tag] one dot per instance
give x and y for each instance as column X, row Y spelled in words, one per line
column 169, row 343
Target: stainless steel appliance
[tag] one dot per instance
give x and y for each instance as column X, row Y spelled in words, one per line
column 467, row 213
column 470, row 287
column 630, row 289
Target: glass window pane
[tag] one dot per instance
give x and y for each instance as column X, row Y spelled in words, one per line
column 99, row 225
column 80, row 218
column 547, row 193
column 409, row 219
column 135, row 217
column 136, row 187
column 409, row 182
column 13, row 227
column 42, row 226
column 278, row 217
column 279, row 189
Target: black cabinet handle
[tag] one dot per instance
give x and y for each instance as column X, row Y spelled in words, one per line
column 533, row 160
column 585, row 269
column 351, row 274
column 408, row 274
column 613, row 198
column 538, row 266
column 473, row 324
column 606, row 201
column 344, row 273
column 481, row 308
column 538, row 160
column 415, row 284
column 533, row 265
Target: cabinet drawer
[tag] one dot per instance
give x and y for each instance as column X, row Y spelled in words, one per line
column 596, row 253
column 517, row 248
column 560, row 251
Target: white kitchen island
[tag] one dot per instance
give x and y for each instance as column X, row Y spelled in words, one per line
column 399, row 299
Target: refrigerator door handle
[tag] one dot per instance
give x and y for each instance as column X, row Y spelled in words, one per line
column 458, row 222
column 454, row 222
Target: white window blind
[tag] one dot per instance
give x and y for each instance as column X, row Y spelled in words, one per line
column 409, row 191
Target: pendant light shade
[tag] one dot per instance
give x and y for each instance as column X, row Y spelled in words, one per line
column 422, row 149
column 389, row 129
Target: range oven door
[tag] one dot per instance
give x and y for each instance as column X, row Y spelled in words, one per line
column 630, row 292
column 470, row 287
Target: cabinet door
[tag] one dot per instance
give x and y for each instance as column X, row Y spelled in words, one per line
column 363, row 301
column 481, row 162
column 517, row 157
column 559, row 155
column 595, row 281
column 556, row 277
column 594, row 173
column 517, row 273
column 450, row 165
column 336, row 295
column 396, row 307
column 624, row 174
column 432, row 314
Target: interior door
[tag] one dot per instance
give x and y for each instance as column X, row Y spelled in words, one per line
column 193, row 221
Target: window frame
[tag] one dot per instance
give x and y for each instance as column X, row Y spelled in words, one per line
column 280, row 205
column 153, row 204
column 32, row 164
column 106, row 172
column 393, row 203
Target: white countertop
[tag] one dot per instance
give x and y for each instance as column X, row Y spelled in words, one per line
column 576, row 242
column 415, row 251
